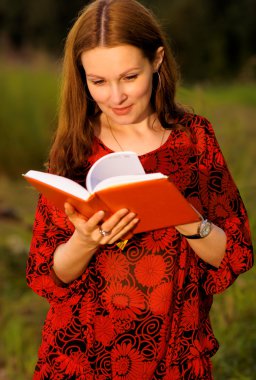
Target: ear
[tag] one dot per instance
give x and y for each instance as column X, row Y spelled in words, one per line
column 158, row 58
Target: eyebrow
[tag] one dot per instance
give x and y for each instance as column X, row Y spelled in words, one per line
column 121, row 75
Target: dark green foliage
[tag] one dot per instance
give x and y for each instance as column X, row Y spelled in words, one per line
column 213, row 39
column 27, row 116
column 233, row 318
column 42, row 24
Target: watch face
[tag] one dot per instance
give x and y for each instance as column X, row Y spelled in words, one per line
column 205, row 228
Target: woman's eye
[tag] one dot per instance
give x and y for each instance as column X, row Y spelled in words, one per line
column 98, row 82
column 131, row 77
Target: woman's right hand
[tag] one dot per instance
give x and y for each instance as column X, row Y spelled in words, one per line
column 91, row 231
column 72, row 258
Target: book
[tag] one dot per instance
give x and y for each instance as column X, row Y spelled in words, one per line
column 118, row 180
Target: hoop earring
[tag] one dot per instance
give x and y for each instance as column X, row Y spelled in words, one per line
column 159, row 82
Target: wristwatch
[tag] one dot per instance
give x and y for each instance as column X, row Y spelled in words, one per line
column 204, row 229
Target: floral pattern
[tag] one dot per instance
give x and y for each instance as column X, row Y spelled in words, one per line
column 142, row 313
column 123, row 302
column 150, row 270
column 127, row 362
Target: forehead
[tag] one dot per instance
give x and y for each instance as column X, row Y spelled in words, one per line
column 102, row 60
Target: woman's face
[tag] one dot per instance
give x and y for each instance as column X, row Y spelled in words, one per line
column 120, row 81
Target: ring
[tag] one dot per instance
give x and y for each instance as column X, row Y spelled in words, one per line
column 103, row 232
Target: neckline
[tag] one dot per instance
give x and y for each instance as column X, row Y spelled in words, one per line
column 139, row 155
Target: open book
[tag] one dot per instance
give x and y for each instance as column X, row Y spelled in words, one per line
column 117, row 181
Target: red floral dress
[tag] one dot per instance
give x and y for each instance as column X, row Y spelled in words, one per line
column 142, row 313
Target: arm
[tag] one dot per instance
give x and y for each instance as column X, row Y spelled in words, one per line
column 72, row 258
column 227, row 251
column 52, row 232
column 212, row 248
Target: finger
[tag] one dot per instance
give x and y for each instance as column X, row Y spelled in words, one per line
column 114, row 224
column 69, row 209
column 80, row 222
column 74, row 216
column 123, row 222
column 94, row 221
column 117, row 236
column 124, row 226
column 111, row 222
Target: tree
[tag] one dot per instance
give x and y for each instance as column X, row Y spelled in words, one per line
column 212, row 39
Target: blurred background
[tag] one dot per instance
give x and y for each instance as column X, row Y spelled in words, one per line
column 214, row 43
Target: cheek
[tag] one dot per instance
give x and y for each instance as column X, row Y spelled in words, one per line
column 98, row 94
column 143, row 90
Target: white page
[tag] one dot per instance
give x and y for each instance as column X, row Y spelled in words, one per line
column 119, row 180
column 62, row 183
column 112, row 165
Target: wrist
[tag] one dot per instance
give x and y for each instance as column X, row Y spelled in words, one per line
column 203, row 230
column 188, row 229
column 80, row 242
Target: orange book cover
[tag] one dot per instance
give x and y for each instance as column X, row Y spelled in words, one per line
column 157, row 202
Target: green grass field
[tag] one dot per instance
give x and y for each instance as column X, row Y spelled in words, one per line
column 27, row 121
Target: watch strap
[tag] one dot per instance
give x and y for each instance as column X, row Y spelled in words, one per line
column 203, row 230
column 195, row 236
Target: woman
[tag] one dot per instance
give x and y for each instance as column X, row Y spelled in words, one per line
column 141, row 312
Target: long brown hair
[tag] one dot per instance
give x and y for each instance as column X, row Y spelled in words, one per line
column 107, row 23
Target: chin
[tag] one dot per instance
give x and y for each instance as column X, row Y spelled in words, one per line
column 129, row 119
column 125, row 119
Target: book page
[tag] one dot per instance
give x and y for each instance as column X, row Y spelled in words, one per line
column 112, row 165
column 121, row 180
column 59, row 182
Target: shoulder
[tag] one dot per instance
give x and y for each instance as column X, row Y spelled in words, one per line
column 198, row 126
column 191, row 120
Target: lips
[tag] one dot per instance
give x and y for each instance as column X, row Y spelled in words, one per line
column 122, row 111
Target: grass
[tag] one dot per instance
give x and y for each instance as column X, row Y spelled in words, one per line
column 22, row 312
column 27, row 120
column 27, row 115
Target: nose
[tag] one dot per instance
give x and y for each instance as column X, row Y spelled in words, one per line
column 117, row 94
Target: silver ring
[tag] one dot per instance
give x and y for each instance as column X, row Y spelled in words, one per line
column 103, row 232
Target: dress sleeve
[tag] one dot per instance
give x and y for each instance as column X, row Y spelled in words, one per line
column 51, row 228
column 222, row 204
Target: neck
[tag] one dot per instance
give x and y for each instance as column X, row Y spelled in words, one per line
column 151, row 123
column 148, row 135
